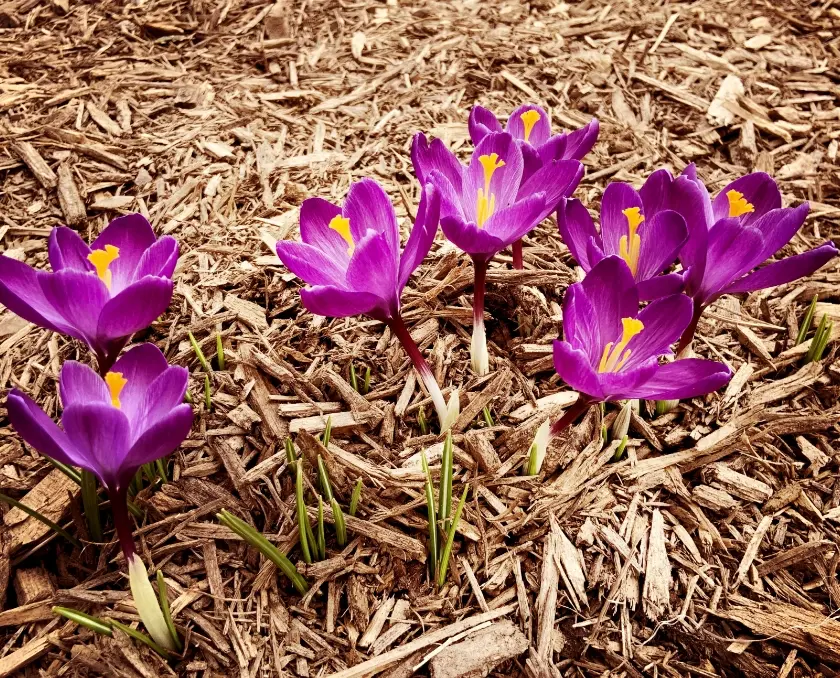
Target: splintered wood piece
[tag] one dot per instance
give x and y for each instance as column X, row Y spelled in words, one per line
column 570, row 561
column 499, row 383
column 33, row 585
column 482, row 450
column 480, row 652
column 248, row 312
column 72, row 205
column 713, row 498
column 12, row 663
column 739, row 484
column 781, row 389
column 657, row 587
column 51, row 498
column 546, row 604
column 377, row 623
column 752, row 549
column 260, row 397
column 37, row 165
column 104, row 120
column 793, row 556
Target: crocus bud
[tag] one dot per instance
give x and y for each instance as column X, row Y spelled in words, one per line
column 621, row 424
column 146, row 601
column 539, row 448
column 479, row 358
column 453, row 411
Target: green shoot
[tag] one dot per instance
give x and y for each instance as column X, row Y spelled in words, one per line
column 340, row 526
column 488, row 418
column 291, row 457
column 430, row 510
column 167, row 613
column 531, row 467
column 662, row 407
column 310, row 539
column 324, row 478
column 421, row 420
column 355, row 497
column 204, row 364
column 445, row 492
column 49, row 523
column 90, row 503
column 69, row 471
column 325, row 438
column 140, row 637
column 820, row 340
column 321, row 537
column 620, row 449
column 303, row 519
column 443, row 568
column 161, row 469
column 353, row 381
column 807, row 321
column 188, row 397
column 88, row 621
column 220, row 351
column 366, row 385
column 269, row 550
column 605, row 436
column 208, row 401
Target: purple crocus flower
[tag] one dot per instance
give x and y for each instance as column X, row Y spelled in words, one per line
column 485, row 206
column 611, row 350
column 648, row 246
column 530, row 126
column 350, row 256
column 111, row 426
column 100, row 294
column 732, row 234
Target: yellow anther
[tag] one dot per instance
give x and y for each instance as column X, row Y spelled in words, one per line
column 484, row 208
column 101, row 260
column 630, row 245
column 529, row 119
column 341, row 225
column 738, row 204
column 116, row 382
column 612, row 359
column 485, row 202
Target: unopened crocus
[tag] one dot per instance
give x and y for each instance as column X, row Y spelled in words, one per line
column 111, row 426
column 732, row 234
column 647, row 245
column 530, row 126
column 100, row 294
column 611, row 350
column 350, row 256
column 484, row 206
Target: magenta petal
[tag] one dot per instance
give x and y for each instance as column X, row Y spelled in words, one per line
column 369, row 210
column 334, row 302
column 554, row 149
column 684, row 379
column 580, row 141
column 531, row 161
column 578, row 230
column 555, row 181
column 785, row 270
column 573, row 366
column 373, row 269
column 614, row 223
column 580, row 323
column 79, row 298
column 513, row 222
column 315, row 217
column 505, row 180
column 612, row 292
column 140, row 366
column 541, row 130
column 661, row 286
column 779, row 226
column 162, row 396
column 67, row 250
column 100, row 433
column 422, row 234
column 664, row 320
column 655, row 192
column 450, row 198
column 22, row 293
column 133, row 235
column 758, row 189
column 733, row 251
column 39, row 431
column 79, row 384
column 162, row 438
column 311, row 264
column 662, row 238
column 135, row 308
column 623, row 385
column 159, row 260
column 481, row 123
column 426, row 157
column 471, row 239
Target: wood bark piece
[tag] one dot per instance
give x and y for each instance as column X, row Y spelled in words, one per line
column 38, row 166
column 479, row 653
column 480, row 401
column 656, row 591
column 546, row 605
column 72, row 205
column 410, row 546
column 51, row 498
column 12, row 663
column 260, row 397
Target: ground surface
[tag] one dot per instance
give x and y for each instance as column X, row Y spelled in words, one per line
column 710, row 550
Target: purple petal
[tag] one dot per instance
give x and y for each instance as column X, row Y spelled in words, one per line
column 159, row 260
column 573, row 366
column 450, row 198
column 662, row 238
column 334, row 302
column 733, row 250
column 531, row 161
column 578, row 230
column 39, row 431
column 655, row 192
column 554, row 149
column 556, row 181
column 614, row 223
column 580, row 324
column 311, row 264
column 504, row 182
column 758, row 189
column 161, row 439
column 133, row 235
column 315, row 217
column 426, row 157
column 422, row 234
column 163, row 396
column 624, row 384
column 580, row 141
column 100, row 433
column 373, row 269
column 684, row 379
column 540, row 131
column 785, row 270
column 481, row 123
column 779, row 226
column 691, row 200
column 22, row 293
column 664, row 321
column 661, row 286
column 140, row 366
column 470, row 238
column 370, row 211
column 67, row 250
column 135, row 308
column 612, row 291
column 79, row 298
column 79, row 384
column 511, row 223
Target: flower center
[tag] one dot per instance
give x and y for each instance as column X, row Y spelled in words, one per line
column 630, row 245
column 341, row 225
column 116, row 382
column 738, row 204
column 529, row 119
column 486, row 202
column 612, row 359
column 101, row 260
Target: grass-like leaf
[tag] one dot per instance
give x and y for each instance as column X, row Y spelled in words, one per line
column 807, row 321
column 619, row 451
column 820, row 340
column 488, row 418
column 220, row 351
column 69, row 471
column 291, row 457
column 431, row 512
column 204, row 364
column 140, row 637
column 354, row 382
column 421, row 421
column 304, row 528
column 355, row 497
column 321, row 536
column 445, row 491
column 340, row 526
column 167, row 613
column 90, row 504
column 366, row 385
column 160, row 464
column 269, row 550
column 325, row 439
column 88, row 621
column 324, row 478
column 49, row 523
column 443, row 568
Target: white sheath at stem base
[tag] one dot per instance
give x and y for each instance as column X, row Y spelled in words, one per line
column 146, row 601
column 447, row 412
column 478, row 349
column 539, row 448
